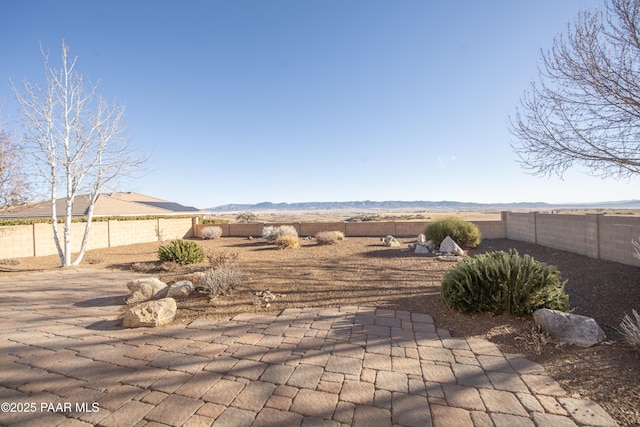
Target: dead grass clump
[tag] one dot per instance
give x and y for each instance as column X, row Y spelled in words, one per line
column 287, row 241
column 211, row 232
column 329, row 237
column 10, row 261
column 631, row 329
column 221, row 280
column 169, row 266
column 218, row 258
column 144, row 267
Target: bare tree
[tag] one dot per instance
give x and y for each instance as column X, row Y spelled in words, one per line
column 14, row 183
column 585, row 109
column 77, row 141
column 246, row 217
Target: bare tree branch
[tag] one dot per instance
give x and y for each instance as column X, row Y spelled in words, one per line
column 585, row 108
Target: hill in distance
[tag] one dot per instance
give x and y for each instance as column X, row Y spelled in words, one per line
column 443, row 206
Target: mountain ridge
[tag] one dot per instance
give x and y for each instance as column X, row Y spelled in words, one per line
column 420, row 204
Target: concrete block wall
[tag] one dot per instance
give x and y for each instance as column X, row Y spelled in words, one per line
column 178, row 228
column 488, row 229
column 616, row 234
column 17, row 241
column 45, row 245
column 130, row 232
column 520, row 226
column 37, row 239
column 564, row 232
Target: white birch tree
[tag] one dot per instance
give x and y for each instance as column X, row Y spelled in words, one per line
column 77, row 143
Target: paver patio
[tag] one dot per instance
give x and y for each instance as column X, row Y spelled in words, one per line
column 65, row 360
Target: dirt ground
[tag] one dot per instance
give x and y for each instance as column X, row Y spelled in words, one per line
column 359, row 271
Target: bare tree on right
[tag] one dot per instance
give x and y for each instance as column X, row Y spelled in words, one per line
column 585, row 107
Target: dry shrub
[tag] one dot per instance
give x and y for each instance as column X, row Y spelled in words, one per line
column 169, row 266
column 631, row 329
column 10, row 261
column 144, row 267
column 287, row 242
column 272, row 234
column 218, row 258
column 329, row 237
column 221, row 280
column 211, row 232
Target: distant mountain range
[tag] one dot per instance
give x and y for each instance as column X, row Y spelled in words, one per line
column 369, row 205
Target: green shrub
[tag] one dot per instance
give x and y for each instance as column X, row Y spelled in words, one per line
column 501, row 282
column 465, row 233
column 182, row 252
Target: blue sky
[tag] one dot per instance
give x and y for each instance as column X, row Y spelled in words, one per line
column 291, row 101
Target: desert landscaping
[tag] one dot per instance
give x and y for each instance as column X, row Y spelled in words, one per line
column 362, row 272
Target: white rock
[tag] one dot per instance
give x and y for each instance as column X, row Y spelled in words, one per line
column 390, row 241
column 449, row 246
column 146, row 289
column 180, row 289
column 582, row 331
column 422, row 249
column 150, row 314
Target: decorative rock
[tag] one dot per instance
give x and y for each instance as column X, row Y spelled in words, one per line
column 421, row 240
column 180, row 289
column 390, row 241
column 582, row 331
column 150, row 314
column 449, row 246
column 146, row 289
column 422, row 249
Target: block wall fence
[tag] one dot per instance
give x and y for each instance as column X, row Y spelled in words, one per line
column 593, row 235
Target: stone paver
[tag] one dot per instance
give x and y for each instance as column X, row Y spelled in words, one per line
column 65, row 360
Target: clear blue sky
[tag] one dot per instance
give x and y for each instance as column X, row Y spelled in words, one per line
column 291, row 101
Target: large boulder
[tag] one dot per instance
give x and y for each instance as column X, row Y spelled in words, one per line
column 390, row 241
column 180, row 289
column 570, row 328
column 146, row 289
column 150, row 314
column 449, row 246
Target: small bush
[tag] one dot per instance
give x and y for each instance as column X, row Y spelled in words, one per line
column 465, row 233
column 500, row 282
column 271, row 234
column 287, row 241
column 221, row 280
column 218, row 258
column 631, row 329
column 211, row 232
column 329, row 237
column 182, row 252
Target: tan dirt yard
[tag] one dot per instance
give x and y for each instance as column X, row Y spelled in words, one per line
column 359, row 271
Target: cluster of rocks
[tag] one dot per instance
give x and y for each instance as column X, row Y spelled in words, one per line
column 152, row 302
column 423, row 246
column 265, row 297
